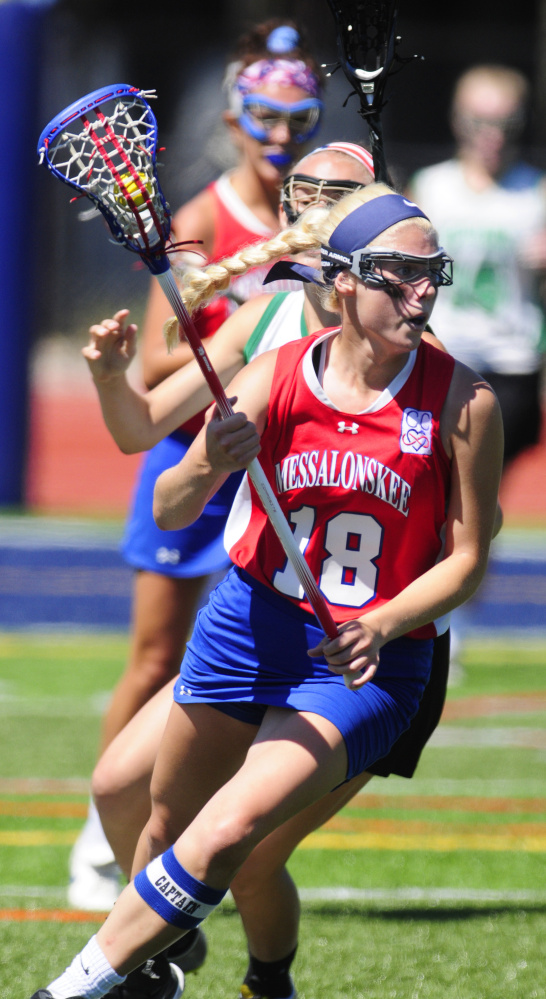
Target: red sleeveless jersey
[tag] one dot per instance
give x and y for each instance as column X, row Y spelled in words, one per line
column 365, row 494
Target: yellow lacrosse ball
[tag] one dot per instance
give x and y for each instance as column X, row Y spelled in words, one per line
column 133, row 190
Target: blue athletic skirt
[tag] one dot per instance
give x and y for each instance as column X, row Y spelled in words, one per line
column 249, row 650
column 197, row 550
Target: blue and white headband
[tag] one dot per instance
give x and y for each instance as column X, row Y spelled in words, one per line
column 361, row 227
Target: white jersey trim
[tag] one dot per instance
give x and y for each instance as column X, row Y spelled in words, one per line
column 387, row 395
column 239, row 515
column 238, row 209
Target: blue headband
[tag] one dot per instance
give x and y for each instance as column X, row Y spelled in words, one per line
column 360, row 228
column 369, row 220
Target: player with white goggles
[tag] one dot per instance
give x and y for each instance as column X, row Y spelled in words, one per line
column 378, row 266
column 301, row 191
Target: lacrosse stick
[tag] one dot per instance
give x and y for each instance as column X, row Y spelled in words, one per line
column 366, row 41
column 104, row 146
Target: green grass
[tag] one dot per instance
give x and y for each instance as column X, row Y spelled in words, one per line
column 466, row 953
column 461, row 923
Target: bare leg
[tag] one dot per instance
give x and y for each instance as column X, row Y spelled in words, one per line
column 163, row 611
column 264, row 892
column 294, row 760
column 121, row 779
column 200, row 750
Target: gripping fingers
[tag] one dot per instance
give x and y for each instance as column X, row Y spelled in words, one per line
column 354, row 677
column 241, row 445
column 233, row 440
column 351, row 654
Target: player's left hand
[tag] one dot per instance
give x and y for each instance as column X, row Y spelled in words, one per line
column 355, row 650
column 111, row 347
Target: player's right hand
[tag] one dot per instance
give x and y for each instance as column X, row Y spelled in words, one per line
column 111, row 347
column 232, row 442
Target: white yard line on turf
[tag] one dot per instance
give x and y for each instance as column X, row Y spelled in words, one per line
column 431, row 896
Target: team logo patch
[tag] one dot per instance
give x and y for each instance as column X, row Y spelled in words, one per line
column 416, row 432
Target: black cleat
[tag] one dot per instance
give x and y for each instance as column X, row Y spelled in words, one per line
column 191, row 956
column 155, row 979
column 46, row 994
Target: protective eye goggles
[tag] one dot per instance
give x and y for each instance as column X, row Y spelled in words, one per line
column 260, row 116
column 379, row 268
column 300, row 192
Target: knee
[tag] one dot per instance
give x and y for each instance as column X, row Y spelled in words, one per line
column 153, row 665
column 107, row 783
column 226, row 845
column 161, row 831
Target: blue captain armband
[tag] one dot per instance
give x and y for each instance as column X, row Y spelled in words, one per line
column 174, row 894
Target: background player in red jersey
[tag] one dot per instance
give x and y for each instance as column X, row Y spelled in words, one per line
column 264, row 724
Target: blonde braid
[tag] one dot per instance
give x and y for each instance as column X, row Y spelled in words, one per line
column 199, row 285
column 314, row 227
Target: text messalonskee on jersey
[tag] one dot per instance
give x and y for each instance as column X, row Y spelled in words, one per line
column 365, row 494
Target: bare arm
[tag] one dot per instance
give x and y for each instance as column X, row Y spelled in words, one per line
column 222, row 447
column 475, row 441
column 138, row 421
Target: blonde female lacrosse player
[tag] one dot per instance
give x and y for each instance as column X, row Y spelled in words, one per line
column 385, row 454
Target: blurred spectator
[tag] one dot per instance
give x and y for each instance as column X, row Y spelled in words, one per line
column 490, row 209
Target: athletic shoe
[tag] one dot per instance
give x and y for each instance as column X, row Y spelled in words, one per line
column 156, row 979
column 192, row 956
column 95, row 888
column 95, row 878
column 249, row 993
column 45, row 994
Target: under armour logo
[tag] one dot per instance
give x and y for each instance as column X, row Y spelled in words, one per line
column 167, row 556
column 352, row 428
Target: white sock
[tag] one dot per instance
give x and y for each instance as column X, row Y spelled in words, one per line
column 89, row 976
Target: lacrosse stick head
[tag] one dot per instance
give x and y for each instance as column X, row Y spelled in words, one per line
column 104, row 146
column 366, row 42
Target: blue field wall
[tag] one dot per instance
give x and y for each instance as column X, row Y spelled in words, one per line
column 20, row 46
column 65, row 575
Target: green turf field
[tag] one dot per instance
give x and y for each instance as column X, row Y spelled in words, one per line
column 419, row 889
